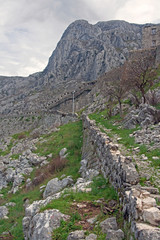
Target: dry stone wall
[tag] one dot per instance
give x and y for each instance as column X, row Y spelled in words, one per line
column 100, row 154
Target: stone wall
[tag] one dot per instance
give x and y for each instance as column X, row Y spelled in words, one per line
column 158, row 55
column 139, row 207
column 151, row 36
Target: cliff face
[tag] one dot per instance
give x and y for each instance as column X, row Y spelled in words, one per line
column 84, row 52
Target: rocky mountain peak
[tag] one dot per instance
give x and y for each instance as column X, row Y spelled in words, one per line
column 85, row 51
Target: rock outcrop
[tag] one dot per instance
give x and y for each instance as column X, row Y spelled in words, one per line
column 84, row 52
column 55, row 185
column 145, row 115
column 43, row 224
column 139, row 205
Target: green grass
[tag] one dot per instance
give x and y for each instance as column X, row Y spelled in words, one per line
column 100, row 189
column 69, row 136
column 126, row 140
column 7, row 151
column 65, row 228
column 16, row 213
column 21, row 135
column 13, row 142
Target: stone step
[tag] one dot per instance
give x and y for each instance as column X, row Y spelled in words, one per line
column 152, row 190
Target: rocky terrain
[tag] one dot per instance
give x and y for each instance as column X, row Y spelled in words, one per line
column 64, row 181
column 84, row 52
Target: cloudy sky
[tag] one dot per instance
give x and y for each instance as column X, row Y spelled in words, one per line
column 30, row 29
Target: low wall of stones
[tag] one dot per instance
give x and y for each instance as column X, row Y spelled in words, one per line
column 100, row 154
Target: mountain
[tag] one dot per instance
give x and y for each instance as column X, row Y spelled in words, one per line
column 84, row 52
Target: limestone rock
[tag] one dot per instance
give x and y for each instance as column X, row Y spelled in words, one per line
column 3, row 212
column 55, row 185
column 144, row 231
column 115, row 235
column 76, row 235
column 152, row 216
column 149, row 202
column 42, row 224
column 63, row 153
column 109, row 223
column 91, row 237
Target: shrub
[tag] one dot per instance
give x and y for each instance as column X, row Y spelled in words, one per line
column 55, row 165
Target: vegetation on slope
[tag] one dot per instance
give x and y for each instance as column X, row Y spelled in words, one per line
column 113, row 128
column 69, row 136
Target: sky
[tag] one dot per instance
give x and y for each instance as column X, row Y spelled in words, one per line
column 31, row 29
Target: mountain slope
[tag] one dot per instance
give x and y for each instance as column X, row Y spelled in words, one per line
column 84, row 52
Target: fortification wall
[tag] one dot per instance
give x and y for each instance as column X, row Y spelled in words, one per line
column 99, row 153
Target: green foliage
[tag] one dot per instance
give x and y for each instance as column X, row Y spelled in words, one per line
column 114, row 127
column 16, row 213
column 15, row 156
column 7, row 151
column 21, row 135
column 100, row 189
column 127, row 101
column 65, row 228
column 69, row 136
column 142, row 181
column 126, row 140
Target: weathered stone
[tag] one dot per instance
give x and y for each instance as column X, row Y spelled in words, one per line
column 144, row 231
column 109, row 223
column 91, row 237
column 42, row 224
column 115, row 235
column 152, row 216
column 63, row 153
column 148, row 202
column 3, row 212
column 12, row 204
column 55, row 185
column 92, row 220
column 68, row 181
column 76, row 235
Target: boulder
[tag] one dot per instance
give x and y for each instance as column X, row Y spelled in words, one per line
column 55, row 185
column 63, row 153
column 42, row 224
column 115, row 235
column 152, row 216
column 76, row 235
column 109, row 223
column 91, row 237
column 148, row 202
column 9, row 174
column 144, row 231
column 3, row 212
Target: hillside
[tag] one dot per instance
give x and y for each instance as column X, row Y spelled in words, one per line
column 84, row 52
column 79, row 142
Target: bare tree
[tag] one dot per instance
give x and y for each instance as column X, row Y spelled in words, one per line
column 140, row 71
column 116, row 85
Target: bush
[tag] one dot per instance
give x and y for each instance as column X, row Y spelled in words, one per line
column 55, row 165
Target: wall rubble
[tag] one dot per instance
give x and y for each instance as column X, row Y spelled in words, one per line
column 99, row 153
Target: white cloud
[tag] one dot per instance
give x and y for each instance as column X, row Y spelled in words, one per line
column 140, row 11
column 30, row 30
